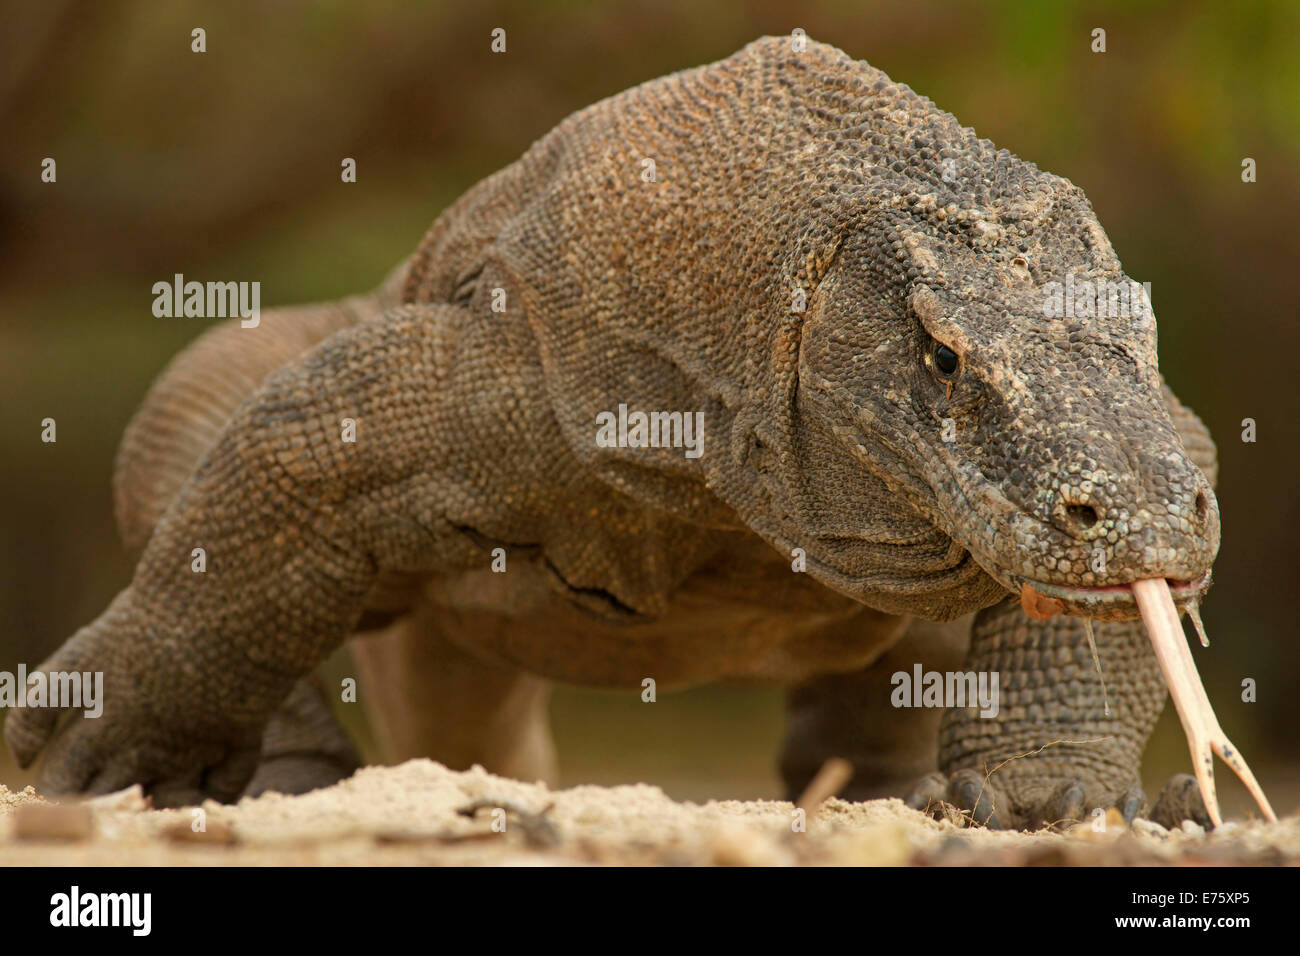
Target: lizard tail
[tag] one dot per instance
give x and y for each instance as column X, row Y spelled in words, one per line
column 189, row 404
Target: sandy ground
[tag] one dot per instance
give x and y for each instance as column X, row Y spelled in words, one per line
column 423, row 813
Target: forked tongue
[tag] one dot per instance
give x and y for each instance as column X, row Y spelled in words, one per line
column 1204, row 736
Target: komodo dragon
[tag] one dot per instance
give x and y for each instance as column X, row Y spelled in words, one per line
column 848, row 286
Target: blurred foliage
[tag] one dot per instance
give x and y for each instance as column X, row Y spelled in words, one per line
column 226, row 164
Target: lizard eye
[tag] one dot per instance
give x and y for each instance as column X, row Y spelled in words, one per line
column 944, row 362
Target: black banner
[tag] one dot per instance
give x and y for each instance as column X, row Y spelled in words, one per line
column 334, row 906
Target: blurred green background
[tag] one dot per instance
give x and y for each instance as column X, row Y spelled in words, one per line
column 226, row 165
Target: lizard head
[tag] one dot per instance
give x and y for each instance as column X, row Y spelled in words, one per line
column 988, row 377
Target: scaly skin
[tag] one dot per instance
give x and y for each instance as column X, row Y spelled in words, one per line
column 779, row 176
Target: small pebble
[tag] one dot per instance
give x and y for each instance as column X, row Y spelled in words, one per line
column 52, row 822
column 217, row 833
column 1149, row 828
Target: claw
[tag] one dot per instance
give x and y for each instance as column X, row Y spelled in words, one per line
column 1130, row 805
column 970, row 791
column 28, row 730
column 1069, row 802
column 1204, row 735
column 929, row 791
column 26, row 736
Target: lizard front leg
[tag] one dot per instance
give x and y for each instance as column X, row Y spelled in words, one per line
column 295, row 524
column 1052, row 752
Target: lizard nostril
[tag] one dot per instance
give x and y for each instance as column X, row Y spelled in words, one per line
column 1202, row 506
column 1084, row 515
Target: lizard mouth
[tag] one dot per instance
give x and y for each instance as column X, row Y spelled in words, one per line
column 1112, row 602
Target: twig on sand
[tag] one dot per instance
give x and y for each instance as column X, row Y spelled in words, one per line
column 538, row 828
column 827, row 782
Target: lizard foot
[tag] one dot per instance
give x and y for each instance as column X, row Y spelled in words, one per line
column 180, row 748
column 986, row 804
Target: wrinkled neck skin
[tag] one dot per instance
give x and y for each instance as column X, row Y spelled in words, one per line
column 824, row 472
column 815, row 465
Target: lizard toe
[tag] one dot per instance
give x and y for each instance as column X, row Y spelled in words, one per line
column 966, row 790
column 1180, row 799
column 72, row 760
column 1072, row 801
column 29, row 730
column 226, row 780
column 927, row 792
column 971, row 791
column 119, row 772
column 1130, row 804
column 1066, row 804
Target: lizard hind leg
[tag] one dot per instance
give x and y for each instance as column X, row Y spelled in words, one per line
column 852, row 716
column 426, row 697
column 304, row 747
column 191, row 402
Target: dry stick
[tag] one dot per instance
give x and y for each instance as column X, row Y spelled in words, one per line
column 830, row 779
